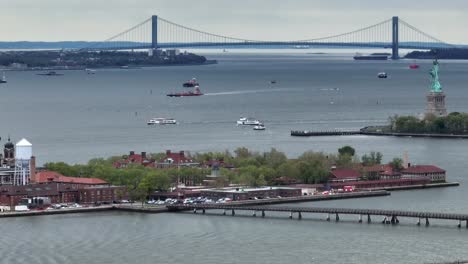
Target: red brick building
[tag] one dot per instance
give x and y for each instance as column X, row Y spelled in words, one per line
column 342, row 175
column 63, row 189
column 139, row 159
column 434, row 173
column 176, row 159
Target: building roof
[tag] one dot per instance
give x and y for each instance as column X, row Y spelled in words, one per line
column 23, row 143
column 52, row 176
column 176, row 158
column 385, row 169
column 421, row 169
column 345, row 174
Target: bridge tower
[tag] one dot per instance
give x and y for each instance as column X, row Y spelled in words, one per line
column 395, row 55
column 154, row 32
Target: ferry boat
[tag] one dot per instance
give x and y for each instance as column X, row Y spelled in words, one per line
column 162, row 121
column 259, row 127
column 370, row 57
column 248, row 121
column 191, row 83
column 197, row 92
column 382, row 75
column 90, row 71
column 414, row 66
column 3, row 80
column 51, row 73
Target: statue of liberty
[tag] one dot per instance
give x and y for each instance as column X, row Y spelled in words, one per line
column 436, row 87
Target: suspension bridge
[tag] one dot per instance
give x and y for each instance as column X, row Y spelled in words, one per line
column 158, row 33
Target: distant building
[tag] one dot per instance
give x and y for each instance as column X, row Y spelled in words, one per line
column 55, row 177
column 139, row 159
column 176, row 159
column 342, row 175
column 434, row 173
column 381, row 172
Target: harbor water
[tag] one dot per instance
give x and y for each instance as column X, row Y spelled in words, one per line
column 79, row 116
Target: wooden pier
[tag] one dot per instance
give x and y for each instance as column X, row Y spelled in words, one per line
column 389, row 216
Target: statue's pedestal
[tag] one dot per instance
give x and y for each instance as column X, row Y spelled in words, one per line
column 436, row 104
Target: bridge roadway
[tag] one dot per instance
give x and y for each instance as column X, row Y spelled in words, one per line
column 390, row 216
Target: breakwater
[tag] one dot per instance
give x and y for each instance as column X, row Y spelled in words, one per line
column 306, row 133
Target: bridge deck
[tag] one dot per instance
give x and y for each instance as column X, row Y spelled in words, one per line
column 379, row 212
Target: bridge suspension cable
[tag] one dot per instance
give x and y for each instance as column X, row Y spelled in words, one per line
column 173, row 35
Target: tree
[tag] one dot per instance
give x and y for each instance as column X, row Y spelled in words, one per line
column 372, row 158
column 397, row 164
column 346, row 150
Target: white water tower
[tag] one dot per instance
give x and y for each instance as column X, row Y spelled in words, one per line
column 23, row 153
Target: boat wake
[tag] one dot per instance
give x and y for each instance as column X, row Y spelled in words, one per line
column 255, row 91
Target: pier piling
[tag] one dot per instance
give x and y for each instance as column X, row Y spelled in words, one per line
column 328, row 217
column 233, row 212
column 194, row 210
column 419, row 221
column 254, row 213
column 203, row 211
column 290, row 215
column 263, row 213
column 337, row 217
column 224, row 212
column 427, row 221
column 360, row 218
column 299, row 215
column 368, row 218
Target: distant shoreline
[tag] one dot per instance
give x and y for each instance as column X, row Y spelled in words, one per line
column 130, row 67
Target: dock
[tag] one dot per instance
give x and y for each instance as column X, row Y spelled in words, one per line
column 389, row 216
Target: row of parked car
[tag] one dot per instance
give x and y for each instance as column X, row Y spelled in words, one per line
column 194, row 200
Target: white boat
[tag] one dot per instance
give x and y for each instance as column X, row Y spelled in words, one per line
column 382, row 75
column 248, row 121
column 259, row 127
column 162, row 121
column 90, row 71
column 3, row 80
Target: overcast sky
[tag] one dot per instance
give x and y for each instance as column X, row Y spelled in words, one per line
column 54, row 20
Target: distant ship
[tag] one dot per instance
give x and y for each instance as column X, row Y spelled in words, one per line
column 197, row 92
column 162, row 121
column 370, row 57
column 3, row 80
column 51, row 73
column 248, row 121
column 382, row 75
column 90, row 71
column 191, row 83
column 414, row 66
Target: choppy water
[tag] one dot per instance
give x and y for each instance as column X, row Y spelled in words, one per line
column 77, row 116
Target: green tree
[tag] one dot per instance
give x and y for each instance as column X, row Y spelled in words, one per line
column 397, row 164
column 346, row 150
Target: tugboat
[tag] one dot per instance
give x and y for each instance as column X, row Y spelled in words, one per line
column 191, row 83
column 162, row 121
column 259, row 127
column 248, row 121
column 382, row 75
column 197, row 92
column 3, row 80
column 51, row 73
